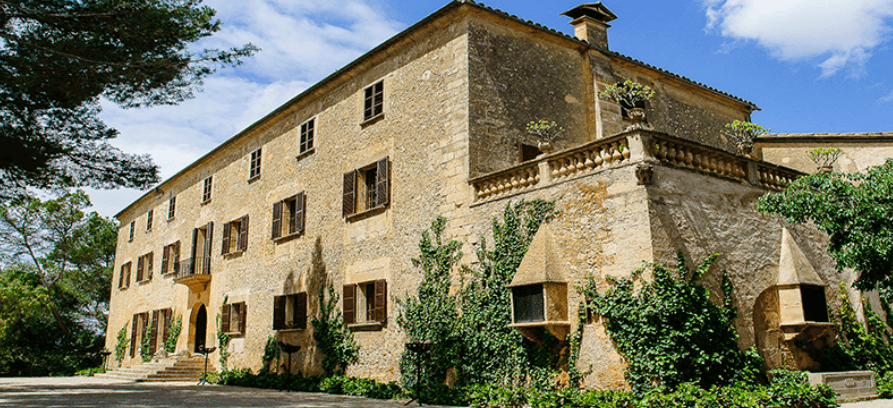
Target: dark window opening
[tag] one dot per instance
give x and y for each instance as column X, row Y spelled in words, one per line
column 307, row 131
column 254, row 170
column 290, row 311
column 815, row 305
column 528, row 152
column 528, row 304
column 206, row 192
column 172, row 207
column 373, row 101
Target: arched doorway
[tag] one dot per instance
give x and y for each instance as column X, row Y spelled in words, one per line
column 201, row 328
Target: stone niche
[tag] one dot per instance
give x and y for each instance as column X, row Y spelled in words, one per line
column 539, row 289
column 802, row 301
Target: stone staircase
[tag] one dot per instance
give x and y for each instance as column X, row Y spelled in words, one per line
column 162, row 369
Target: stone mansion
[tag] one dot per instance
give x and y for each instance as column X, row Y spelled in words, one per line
column 337, row 185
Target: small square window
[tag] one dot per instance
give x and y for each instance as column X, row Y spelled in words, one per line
column 290, row 312
column 235, row 236
column 373, row 101
column 172, row 208
column 232, row 319
column 288, row 216
column 206, row 192
column 149, row 219
column 254, row 172
column 308, row 130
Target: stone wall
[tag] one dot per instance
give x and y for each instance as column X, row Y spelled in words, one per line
column 860, row 150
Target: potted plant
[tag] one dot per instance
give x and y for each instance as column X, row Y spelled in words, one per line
column 824, row 157
column 632, row 97
column 744, row 133
column 547, row 132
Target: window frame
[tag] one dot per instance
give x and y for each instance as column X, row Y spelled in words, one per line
column 298, row 311
column 297, row 213
column 350, row 207
column 124, row 279
column 132, row 231
column 149, row 218
column 170, row 258
column 351, row 304
column 306, row 137
column 207, row 189
column 172, row 208
column 254, row 164
column 373, row 102
column 230, row 311
column 144, row 267
column 237, row 244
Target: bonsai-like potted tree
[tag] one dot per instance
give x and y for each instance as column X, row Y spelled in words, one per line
column 743, row 133
column 824, row 157
column 631, row 96
column 547, row 132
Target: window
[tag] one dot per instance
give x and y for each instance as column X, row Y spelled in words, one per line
column 528, row 152
column 149, row 219
column 366, row 302
column 232, row 318
column 307, row 131
column 124, row 276
column 528, row 304
column 172, row 208
column 373, row 101
column 290, row 312
column 200, row 263
column 288, row 217
column 170, row 258
column 144, row 267
column 367, row 188
column 815, row 305
column 254, row 171
column 206, row 193
column 158, row 330
column 138, row 330
column 235, row 236
column 132, row 228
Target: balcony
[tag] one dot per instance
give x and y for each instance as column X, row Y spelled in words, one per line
column 192, row 273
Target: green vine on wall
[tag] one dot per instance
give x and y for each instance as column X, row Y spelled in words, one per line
column 144, row 343
column 121, row 344
column 670, row 332
column 859, row 347
column 173, row 333
column 332, row 337
column 223, row 340
column 271, row 352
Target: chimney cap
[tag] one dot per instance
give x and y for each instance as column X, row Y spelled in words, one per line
column 597, row 11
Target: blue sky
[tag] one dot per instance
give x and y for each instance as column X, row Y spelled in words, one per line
column 810, row 65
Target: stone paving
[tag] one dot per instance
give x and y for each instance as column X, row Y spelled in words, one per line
column 52, row 392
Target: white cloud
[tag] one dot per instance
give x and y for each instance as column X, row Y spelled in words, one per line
column 842, row 34
column 302, row 41
column 887, row 98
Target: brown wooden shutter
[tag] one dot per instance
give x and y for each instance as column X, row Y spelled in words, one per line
column 153, row 336
column 243, row 233
column 298, row 220
column 224, row 318
column 380, row 311
column 144, row 324
column 139, row 268
column 166, row 315
column 278, row 312
column 121, row 277
column 133, row 333
column 194, row 254
column 206, row 265
column 350, row 304
column 382, row 183
column 165, row 263
column 127, row 279
column 227, row 226
column 277, row 219
column 348, row 206
column 176, row 267
column 150, row 265
column 243, row 317
column 300, row 312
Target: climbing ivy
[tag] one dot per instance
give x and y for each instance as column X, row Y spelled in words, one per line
column 121, row 344
column 433, row 314
column 170, row 343
column 144, row 343
column 271, row 352
column 223, row 340
column 859, row 347
column 333, row 339
column 670, row 332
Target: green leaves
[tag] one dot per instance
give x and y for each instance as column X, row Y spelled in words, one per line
column 332, row 337
column 855, row 210
column 629, row 94
column 745, row 132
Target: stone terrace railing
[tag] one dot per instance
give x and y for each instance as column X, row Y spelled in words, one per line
column 626, row 148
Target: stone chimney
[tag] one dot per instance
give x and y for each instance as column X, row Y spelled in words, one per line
column 590, row 21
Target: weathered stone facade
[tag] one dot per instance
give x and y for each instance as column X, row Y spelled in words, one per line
column 458, row 89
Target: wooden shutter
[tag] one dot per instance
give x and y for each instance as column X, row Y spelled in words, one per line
column 226, row 230
column 382, row 183
column 176, row 267
column 298, row 220
column 206, row 265
column 194, row 254
column 127, row 279
column 150, row 264
column 133, row 333
column 243, row 233
column 139, row 268
column 380, row 310
column 167, row 314
column 243, row 317
column 348, row 206
column 224, row 318
column 300, row 312
column 165, row 263
column 144, row 324
column 153, row 337
column 278, row 312
column 121, row 277
column 277, row 219
column 350, row 304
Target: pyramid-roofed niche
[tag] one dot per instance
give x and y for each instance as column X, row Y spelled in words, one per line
column 539, row 288
column 802, row 303
column 793, row 267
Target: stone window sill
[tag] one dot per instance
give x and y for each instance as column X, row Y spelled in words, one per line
column 366, row 213
column 372, row 120
column 365, row 326
column 305, row 153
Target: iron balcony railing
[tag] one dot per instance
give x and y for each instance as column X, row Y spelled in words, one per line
column 192, row 266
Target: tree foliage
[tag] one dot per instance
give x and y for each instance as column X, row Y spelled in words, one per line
column 855, row 210
column 56, row 270
column 59, row 57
